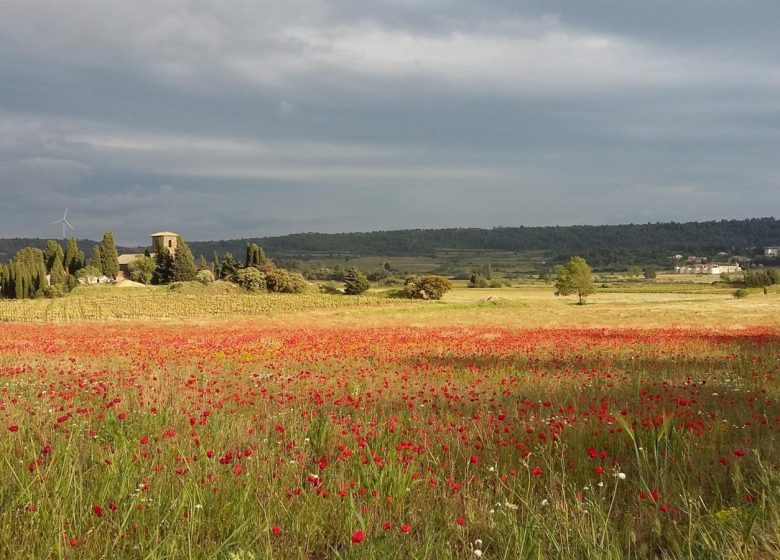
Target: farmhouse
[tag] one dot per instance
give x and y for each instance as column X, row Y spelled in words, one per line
column 708, row 268
column 167, row 239
column 771, row 251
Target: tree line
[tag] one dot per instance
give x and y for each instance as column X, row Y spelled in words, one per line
column 52, row 271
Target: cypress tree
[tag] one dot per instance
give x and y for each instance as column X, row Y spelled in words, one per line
column 202, row 264
column 96, row 259
column 164, row 273
column 74, row 258
column 58, row 277
column 184, row 264
column 53, row 250
column 255, row 256
column 216, row 267
column 109, row 256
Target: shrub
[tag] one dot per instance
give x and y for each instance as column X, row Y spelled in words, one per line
column 298, row 283
column 355, row 282
column 205, row 277
column 142, row 269
column 478, row 281
column 251, row 279
column 427, row 287
column 741, row 293
column 285, row 282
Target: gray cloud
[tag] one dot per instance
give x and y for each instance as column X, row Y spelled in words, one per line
column 255, row 118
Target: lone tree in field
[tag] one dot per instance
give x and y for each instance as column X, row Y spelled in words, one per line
column 355, row 282
column 575, row 277
column 109, row 255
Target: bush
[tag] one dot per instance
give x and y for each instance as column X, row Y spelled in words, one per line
column 427, row 287
column 478, row 281
column 355, row 282
column 285, row 282
column 741, row 293
column 251, row 279
column 55, row 291
column 205, row 277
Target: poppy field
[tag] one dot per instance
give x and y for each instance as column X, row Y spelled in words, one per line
column 248, row 440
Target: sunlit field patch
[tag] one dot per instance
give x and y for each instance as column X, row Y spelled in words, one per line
column 244, row 441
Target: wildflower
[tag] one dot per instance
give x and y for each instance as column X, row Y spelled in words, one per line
column 621, row 475
column 405, row 528
column 599, row 470
column 13, row 428
column 387, row 525
column 460, row 521
column 358, row 537
column 276, row 531
column 98, row 510
column 474, row 459
column 536, row 471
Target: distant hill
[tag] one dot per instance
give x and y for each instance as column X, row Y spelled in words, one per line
column 602, row 246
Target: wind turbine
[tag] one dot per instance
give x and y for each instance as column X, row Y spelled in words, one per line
column 64, row 221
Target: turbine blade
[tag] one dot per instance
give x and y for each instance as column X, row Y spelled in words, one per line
column 57, row 222
column 68, row 224
column 66, row 214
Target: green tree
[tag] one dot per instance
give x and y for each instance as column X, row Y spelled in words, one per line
column 255, row 256
column 355, row 282
column 575, row 277
column 229, row 268
column 251, row 279
column 109, row 256
column 142, row 269
column 427, row 287
column 74, row 257
column 184, row 264
column 58, row 276
column 96, row 259
column 52, row 251
column 202, row 264
column 478, row 281
column 163, row 271
column 649, row 273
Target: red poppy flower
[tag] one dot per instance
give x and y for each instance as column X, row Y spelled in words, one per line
column 358, row 537
column 276, row 530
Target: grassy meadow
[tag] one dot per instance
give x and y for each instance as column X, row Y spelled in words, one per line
column 497, row 423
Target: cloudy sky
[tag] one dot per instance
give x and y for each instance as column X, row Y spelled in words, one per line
column 225, row 119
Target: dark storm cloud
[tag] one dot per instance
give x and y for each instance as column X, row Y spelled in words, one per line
column 229, row 119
